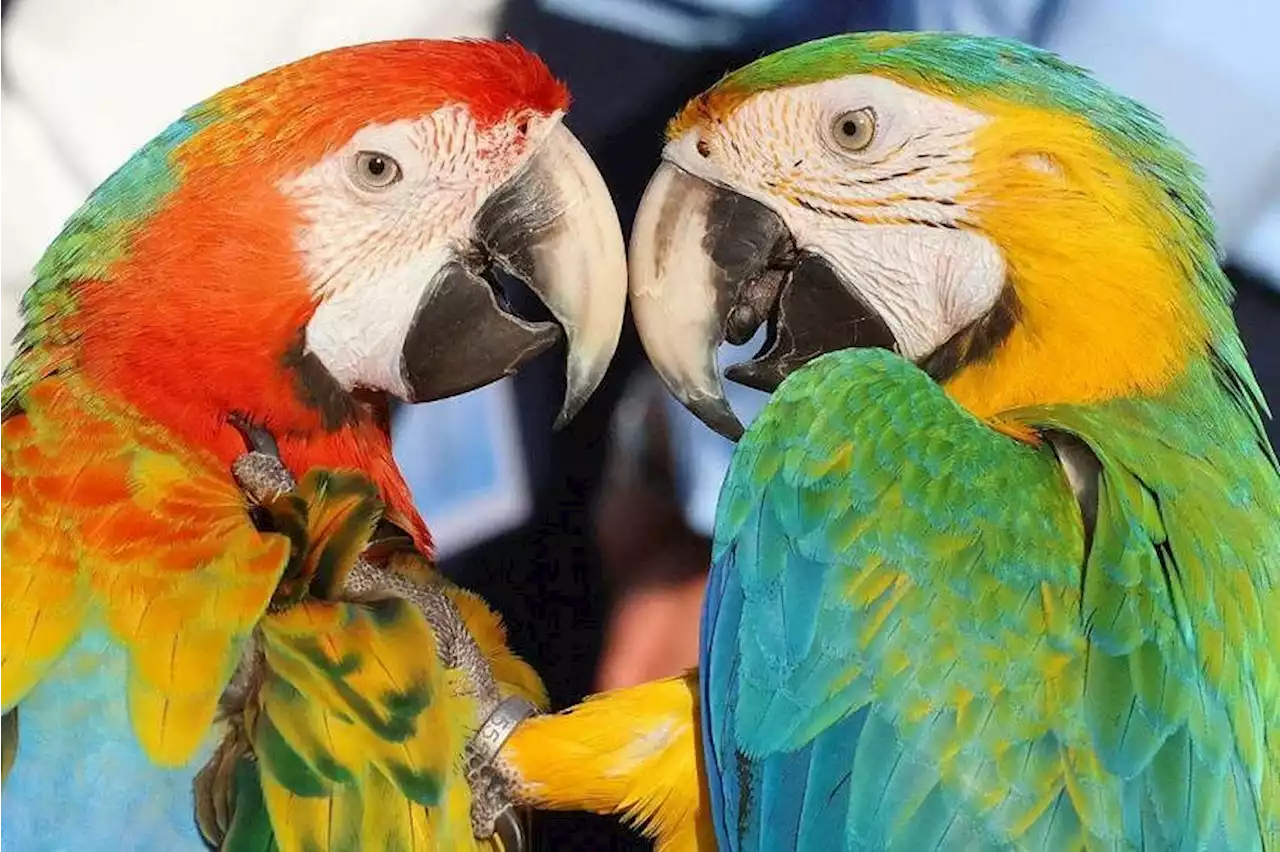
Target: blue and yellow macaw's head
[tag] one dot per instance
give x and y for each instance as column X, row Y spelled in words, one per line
column 1023, row 233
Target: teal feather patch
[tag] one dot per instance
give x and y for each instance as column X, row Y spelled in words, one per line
column 1010, row 692
column 79, row 771
column 91, row 243
column 97, row 235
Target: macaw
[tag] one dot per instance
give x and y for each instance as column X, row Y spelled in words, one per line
column 998, row 564
column 220, row 621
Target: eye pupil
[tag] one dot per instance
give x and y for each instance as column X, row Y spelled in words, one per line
column 371, row 170
column 853, row 131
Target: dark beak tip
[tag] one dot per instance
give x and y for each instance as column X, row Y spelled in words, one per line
column 568, row 411
column 753, row 375
column 717, row 414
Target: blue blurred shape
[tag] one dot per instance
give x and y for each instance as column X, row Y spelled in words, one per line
column 462, row 459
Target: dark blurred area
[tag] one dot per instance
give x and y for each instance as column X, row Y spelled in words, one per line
column 1257, row 310
column 548, row 577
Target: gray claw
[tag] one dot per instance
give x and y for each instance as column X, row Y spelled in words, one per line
column 259, row 472
column 257, row 438
column 262, row 477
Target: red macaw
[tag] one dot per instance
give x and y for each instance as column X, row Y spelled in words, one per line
column 278, row 262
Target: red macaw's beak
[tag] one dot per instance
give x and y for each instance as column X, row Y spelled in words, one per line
column 552, row 226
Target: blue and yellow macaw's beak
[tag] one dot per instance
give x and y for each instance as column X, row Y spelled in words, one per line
column 709, row 265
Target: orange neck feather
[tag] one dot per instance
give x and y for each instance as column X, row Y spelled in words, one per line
column 199, row 323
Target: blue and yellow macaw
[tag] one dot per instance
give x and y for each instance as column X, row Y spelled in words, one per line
column 998, row 566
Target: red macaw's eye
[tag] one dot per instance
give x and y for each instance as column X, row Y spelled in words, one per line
column 374, row 170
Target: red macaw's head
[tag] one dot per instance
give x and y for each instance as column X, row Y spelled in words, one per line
column 330, row 229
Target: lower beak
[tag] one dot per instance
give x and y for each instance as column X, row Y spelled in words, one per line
column 554, row 227
column 710, row 265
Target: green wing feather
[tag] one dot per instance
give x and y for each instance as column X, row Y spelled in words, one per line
column 1183, row 588
column 894, row 558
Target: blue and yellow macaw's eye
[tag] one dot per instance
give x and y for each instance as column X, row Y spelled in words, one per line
column 854, row 130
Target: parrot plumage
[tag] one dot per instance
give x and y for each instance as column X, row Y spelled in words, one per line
column 631, row 752
column 280, row 261
column 343, row 733
column 998, row 565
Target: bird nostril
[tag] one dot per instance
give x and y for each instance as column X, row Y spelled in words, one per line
column 703, row 147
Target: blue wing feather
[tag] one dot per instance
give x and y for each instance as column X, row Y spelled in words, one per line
column 799, row 798
column 717, row 669
column 79, row 771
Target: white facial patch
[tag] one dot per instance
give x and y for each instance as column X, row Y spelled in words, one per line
column 887, row 217
column 372, row 251
column 359, row 339
column 925, row 283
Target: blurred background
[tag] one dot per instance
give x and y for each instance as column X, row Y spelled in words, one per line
column 592, row 541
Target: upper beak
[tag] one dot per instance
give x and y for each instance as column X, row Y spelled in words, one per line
column 554, row 227
column 709, row 265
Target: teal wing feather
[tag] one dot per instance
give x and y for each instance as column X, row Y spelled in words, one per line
column 904, row 648
column 96, row 237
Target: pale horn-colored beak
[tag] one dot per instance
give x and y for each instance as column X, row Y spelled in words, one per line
column 696, row 249
column 553, row 226
column 674, row 293
column 709, row 265
column 575, row 259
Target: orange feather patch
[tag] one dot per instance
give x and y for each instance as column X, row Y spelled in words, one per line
column 140, row 533
column 1097, row 287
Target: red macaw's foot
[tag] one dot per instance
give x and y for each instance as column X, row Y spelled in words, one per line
column 348, row 560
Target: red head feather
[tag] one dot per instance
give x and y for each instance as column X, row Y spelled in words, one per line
column 293, row 115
